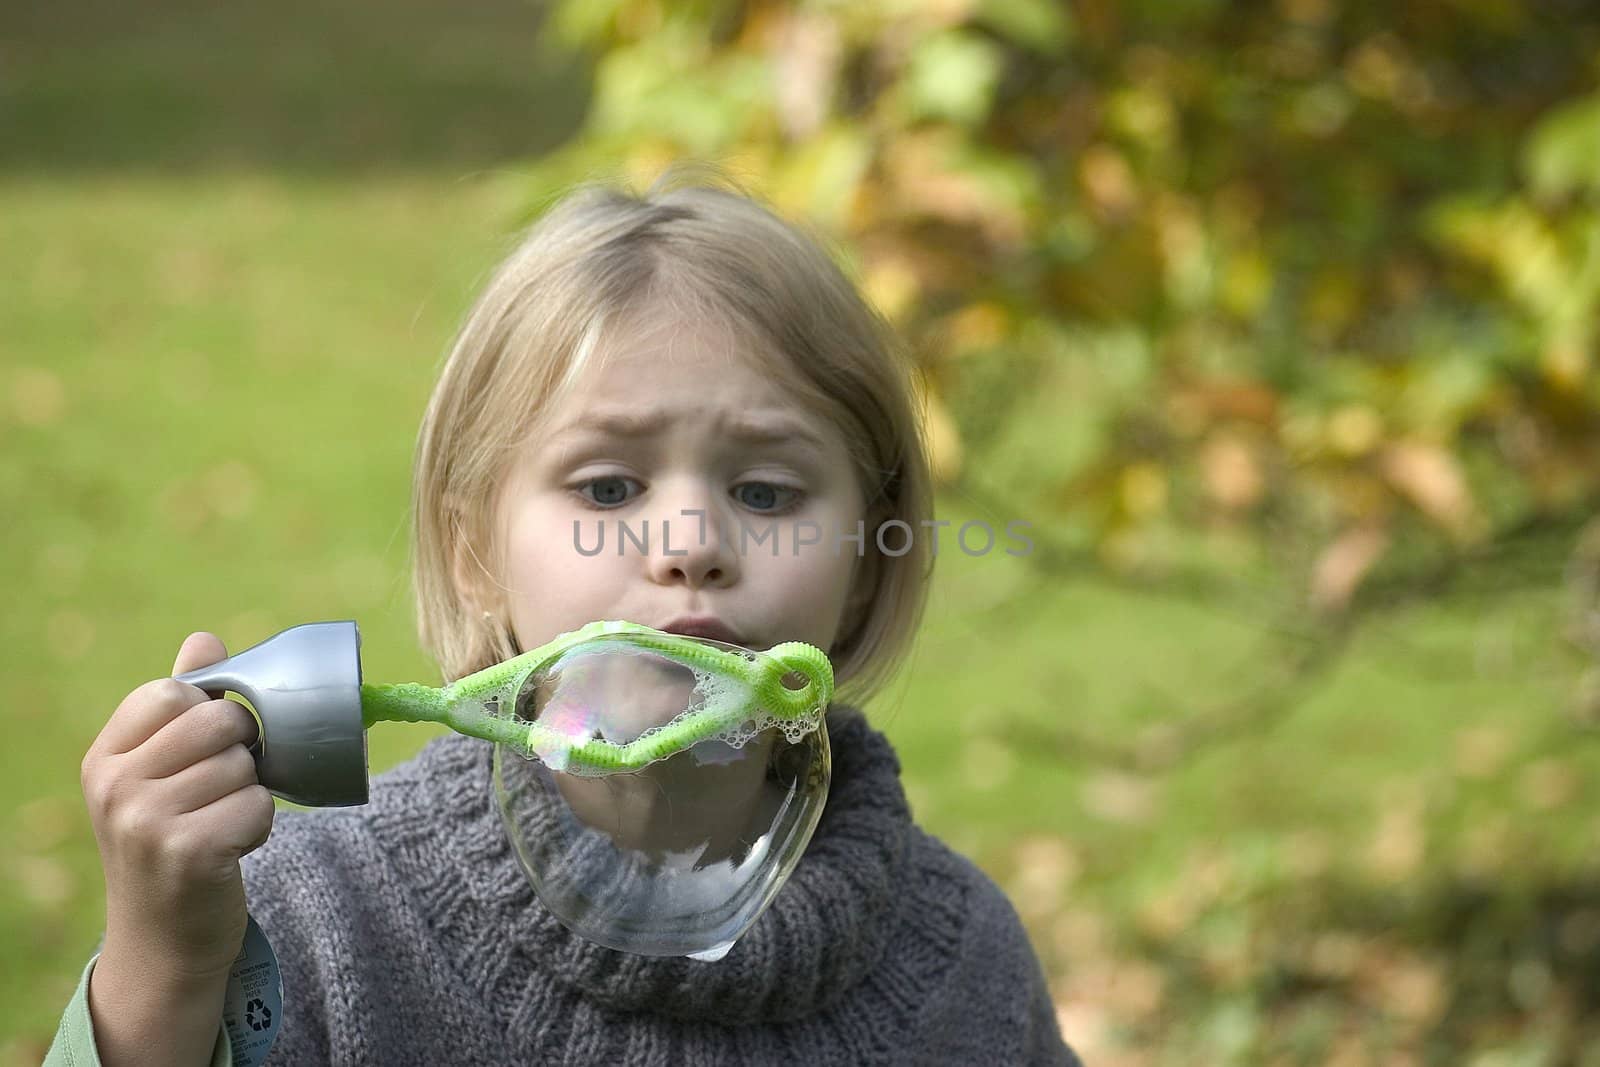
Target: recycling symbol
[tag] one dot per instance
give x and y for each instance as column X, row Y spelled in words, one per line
column 258, row 1015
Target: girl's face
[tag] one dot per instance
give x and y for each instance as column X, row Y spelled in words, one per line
column 675, row 434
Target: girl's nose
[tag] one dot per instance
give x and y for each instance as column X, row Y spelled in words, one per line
column 691, row 544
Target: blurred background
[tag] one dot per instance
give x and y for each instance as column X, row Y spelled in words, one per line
column 1275, row 320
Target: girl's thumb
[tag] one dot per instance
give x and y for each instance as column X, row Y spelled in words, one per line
column 199, row 650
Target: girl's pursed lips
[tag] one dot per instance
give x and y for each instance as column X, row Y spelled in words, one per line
column 706, row 626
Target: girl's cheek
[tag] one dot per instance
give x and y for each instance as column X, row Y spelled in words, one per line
column 816, row 595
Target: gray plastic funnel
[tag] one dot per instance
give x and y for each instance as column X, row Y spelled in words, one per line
column 305, row 684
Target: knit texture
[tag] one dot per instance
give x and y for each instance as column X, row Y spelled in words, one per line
column 407, row 933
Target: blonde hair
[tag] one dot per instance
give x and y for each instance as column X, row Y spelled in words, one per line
column 599, row 256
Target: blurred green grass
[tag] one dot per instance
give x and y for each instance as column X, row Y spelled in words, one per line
column 212, row 364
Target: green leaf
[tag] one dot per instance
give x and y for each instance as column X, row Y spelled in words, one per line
column 1008, row 181
column 1444, row 392
column 1042, row 25
column 952, row 75
column 825, row 171
column 1563, row 154
column 584, row 22
column 666, row 88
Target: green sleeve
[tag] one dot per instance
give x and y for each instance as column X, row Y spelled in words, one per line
column 74, row 1043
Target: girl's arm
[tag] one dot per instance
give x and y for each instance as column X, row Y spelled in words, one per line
column 75, row 1044
column 139, row 1017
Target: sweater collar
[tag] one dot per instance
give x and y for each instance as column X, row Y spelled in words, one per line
column 825, row 931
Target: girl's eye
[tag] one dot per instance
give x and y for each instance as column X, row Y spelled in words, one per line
column 610, row 490
column 765, row 496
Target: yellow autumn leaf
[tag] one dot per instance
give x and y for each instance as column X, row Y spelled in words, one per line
column 1567, row 365
column 1354, row 430
column 1143, row 490
column 892, row 287
column 1430, row 477
column 1246, row 283
column 1342, row 565
column 976, row 326
column 1231, row 472
column 1107, row 179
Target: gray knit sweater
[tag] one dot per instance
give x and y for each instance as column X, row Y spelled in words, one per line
column 408, row 934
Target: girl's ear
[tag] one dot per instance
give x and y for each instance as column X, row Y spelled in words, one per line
column 468, row 577
column 458, row 582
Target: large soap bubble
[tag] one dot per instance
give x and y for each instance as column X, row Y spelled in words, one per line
column 658, row 792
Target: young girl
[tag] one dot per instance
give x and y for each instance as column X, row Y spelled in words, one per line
column 687, row 365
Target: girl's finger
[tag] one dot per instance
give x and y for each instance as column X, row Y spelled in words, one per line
column 239, row 821
column 199, row 650
column 207, row 781
column 156, row 703
column 201, row 731
column 145, row 711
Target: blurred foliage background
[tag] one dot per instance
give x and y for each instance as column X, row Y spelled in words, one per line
column 1276, row 321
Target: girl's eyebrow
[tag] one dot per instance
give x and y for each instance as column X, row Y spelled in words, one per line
column 761, row 428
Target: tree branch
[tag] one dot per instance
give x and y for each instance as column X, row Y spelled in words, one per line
column 1308, row 645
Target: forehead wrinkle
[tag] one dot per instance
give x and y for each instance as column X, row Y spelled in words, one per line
column 669, row 338
column 766, row 426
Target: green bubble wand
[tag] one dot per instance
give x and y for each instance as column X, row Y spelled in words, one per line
column 305, row 686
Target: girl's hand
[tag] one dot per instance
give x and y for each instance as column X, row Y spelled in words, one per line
column 173, row 796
